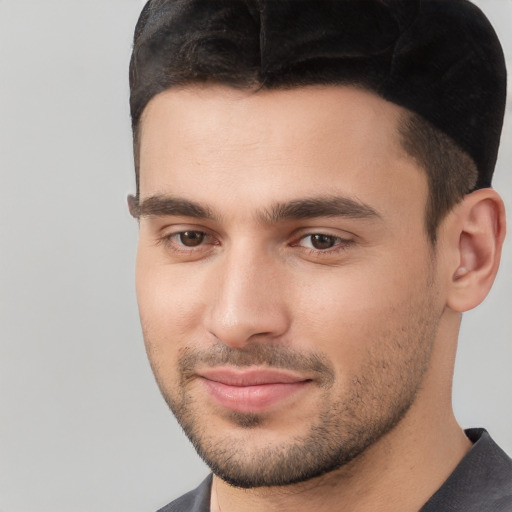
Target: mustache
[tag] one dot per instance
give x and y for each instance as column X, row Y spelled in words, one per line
column 256, row 354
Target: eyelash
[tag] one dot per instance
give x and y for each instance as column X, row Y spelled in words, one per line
column 171, row 243
column 340, row 245
column 179, row 248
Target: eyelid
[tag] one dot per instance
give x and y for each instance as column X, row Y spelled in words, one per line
column 309, row 235
column 176, row 235
column 169, row 235
column 338, row 238
column 177, row 228
column 343, row 242
column 323, row 230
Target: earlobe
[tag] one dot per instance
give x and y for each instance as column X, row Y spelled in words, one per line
column 478, row 239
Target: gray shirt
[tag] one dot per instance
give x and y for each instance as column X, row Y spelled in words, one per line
column 482, row 482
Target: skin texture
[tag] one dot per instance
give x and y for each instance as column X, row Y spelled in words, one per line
column 368, row 325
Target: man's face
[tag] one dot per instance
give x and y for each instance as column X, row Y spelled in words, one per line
column 286, row 287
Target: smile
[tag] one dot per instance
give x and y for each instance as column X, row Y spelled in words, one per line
column 252, row 390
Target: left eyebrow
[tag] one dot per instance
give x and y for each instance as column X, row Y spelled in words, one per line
column 309, row 208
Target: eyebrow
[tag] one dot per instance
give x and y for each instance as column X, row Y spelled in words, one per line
column 161, row 206
column 298, row 209
column 330, row 206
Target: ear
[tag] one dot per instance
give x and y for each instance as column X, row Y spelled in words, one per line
column 133, row 206
column 476, row 234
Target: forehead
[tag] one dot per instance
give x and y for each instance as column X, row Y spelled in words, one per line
column 277, row 144
column 313, row 113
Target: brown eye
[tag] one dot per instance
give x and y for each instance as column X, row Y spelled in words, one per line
column 323, row 241
column 192, row 238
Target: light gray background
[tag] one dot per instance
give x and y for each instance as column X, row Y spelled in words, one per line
column 82, row 425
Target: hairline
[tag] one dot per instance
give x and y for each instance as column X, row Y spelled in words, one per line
column 404, row 138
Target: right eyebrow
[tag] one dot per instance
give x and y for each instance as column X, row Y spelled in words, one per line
column 160, row 205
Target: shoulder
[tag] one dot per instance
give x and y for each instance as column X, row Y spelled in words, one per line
column 197, row 500
column 482, row 482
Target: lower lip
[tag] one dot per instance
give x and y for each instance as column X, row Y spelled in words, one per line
column 252, row 398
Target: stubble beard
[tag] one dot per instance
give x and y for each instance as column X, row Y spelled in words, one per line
column 378, row 399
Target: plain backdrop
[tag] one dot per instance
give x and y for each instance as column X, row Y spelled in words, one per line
column 82, row 424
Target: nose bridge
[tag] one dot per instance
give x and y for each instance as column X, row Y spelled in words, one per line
column 248, row 299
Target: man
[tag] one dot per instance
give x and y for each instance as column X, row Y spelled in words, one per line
column 313, row 191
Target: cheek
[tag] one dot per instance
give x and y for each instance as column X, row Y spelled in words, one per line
column 170, row 308
column 350, row 315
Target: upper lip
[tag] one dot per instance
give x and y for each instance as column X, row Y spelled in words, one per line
column 250, row 376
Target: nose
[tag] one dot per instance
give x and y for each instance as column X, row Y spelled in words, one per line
column 248, row 299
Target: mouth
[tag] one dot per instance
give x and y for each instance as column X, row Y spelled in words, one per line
column 251, row 390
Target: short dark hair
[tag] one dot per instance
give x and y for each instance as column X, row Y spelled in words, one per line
column 451, row 172
column 222, row 48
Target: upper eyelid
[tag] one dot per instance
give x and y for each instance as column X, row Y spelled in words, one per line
column 169, row 230
column 327, row 232
column 296, row 234
column 171, row 242
column 177, row 233
column 342, row 241
column 338, row 237
column 162, row 223
column 340, row 234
